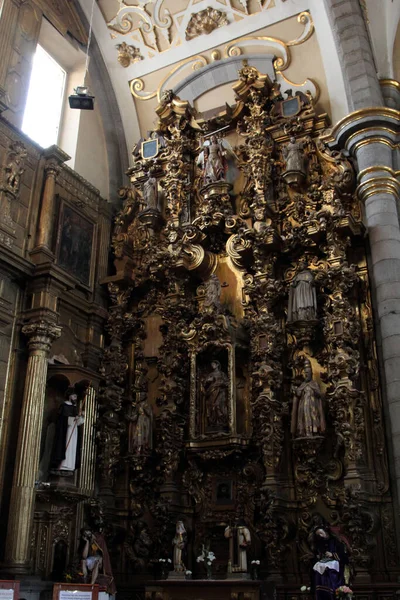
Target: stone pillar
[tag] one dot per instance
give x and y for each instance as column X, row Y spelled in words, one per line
column 370, row 136
column 355, row 53
column 40, row 336
column 55, row 157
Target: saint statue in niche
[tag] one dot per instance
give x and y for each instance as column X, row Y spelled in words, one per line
column 65, row 455
column 212, row 161
column 150, row 192
column 95, row 560
column 302, row 296
column 293, row 154
column 212, row 297
column 308, row 417
column 216, row 396
column 141, row 436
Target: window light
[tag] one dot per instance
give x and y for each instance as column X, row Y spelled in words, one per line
column 45, row 99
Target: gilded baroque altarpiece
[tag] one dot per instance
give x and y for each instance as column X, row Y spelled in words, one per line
column 241, row 380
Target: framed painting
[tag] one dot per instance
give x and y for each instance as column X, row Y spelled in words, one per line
column 75, row 242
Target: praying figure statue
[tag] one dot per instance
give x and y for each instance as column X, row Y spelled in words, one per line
column 216, row 396
column 294, row 156
column 302, row 296
column 179, row 543
column 239, row 543
column 308, row 419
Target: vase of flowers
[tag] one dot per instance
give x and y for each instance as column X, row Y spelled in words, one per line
column 344, row 592
column 188, row 574
column 254, row 566
column 164, row 566
column 207, row 558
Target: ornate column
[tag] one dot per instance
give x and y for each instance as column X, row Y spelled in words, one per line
column 55, row 157
column 40, row 337
column 371, row 136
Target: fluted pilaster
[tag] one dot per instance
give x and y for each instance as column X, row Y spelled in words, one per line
column 40, row 337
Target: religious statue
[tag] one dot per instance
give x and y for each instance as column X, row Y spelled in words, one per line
column 179, row 543
column 239, row 543
column 95, row 560
column 216, row 396
column 65, row 455
column 308, row 417
column 294, row 156
column 150, row 192
column 302, row 296
column 212, row 293
column 330, row 566
column 141, row 436
column 212, row 161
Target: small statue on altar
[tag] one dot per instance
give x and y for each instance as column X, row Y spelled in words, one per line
column 95, row 560
column 141, row 436
column 239, row 543
column 179, row 543
column 216, row 396
column 302, row 296
column 308, row 419
column 212, row 161
column 65, row 453
column 330, row 569
column 150, row 192
column 293, row 154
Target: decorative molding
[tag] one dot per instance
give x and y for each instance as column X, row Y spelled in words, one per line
column 157, row 29
column 241, row 47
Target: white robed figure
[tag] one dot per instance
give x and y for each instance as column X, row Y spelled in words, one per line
column 179, row 543
column 66, row 435
column 238, row 555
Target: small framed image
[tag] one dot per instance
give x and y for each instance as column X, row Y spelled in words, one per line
column 223, row 492
column 9, row 589
column 75, row 591
column 149, row 148
column 75, row 243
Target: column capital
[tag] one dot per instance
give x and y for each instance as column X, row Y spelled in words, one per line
column 55, row 157
column 41, row 334
column 365, row 126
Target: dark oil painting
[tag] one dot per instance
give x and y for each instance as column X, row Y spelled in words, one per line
column 75, row 244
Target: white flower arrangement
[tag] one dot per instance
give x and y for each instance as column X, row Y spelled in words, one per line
column 188, row 572
column 255, row 562
column 164, row 560
column 304, row 588
column 206, row 556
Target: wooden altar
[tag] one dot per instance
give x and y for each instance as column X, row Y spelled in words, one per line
column 203, row 589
